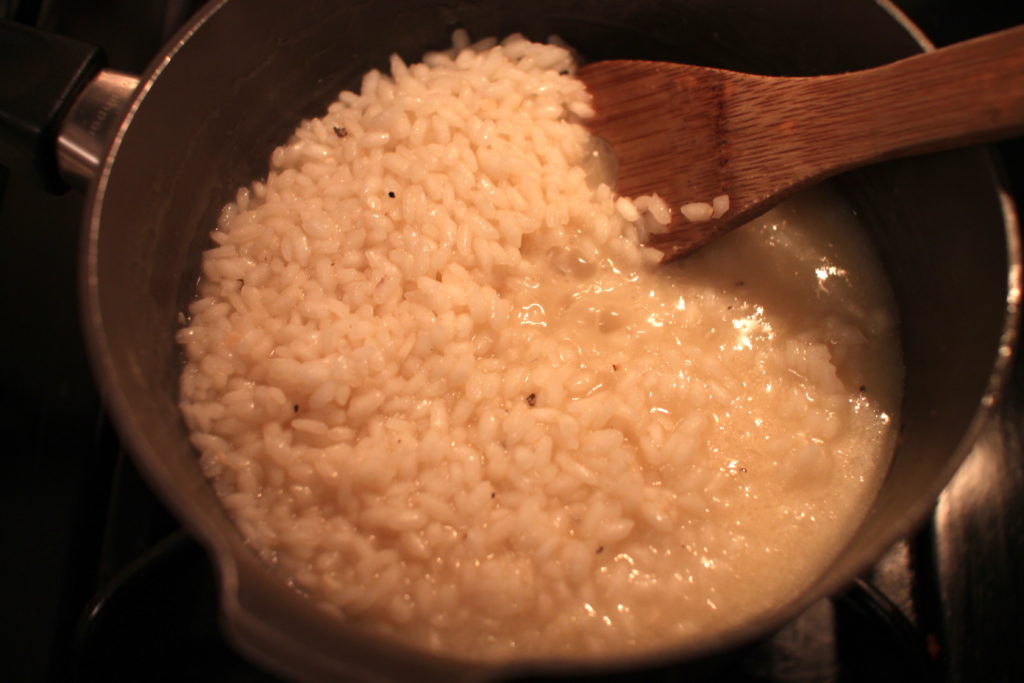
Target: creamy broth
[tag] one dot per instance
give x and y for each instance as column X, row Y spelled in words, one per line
column 776, row 349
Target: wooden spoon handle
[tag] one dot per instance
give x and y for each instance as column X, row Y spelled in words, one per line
column 967, row 93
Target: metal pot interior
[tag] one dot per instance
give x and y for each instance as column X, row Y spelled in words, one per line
column 242, row 75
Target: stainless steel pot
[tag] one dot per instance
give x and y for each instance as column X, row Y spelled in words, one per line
column 233, row 84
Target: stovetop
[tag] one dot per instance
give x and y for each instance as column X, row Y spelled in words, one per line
column 100, row 582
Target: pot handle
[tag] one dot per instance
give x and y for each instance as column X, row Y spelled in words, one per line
column 40, row 76
column 58, row 104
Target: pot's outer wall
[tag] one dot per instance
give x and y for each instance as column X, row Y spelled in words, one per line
column 244, row 75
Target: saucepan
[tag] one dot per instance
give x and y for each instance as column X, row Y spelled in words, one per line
column 159, row 155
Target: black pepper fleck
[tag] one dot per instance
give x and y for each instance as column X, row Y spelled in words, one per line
column 600, row 549
column 729, row 307
column 863, row 388
column 295, row 408
column 391, row 194
column 615, row 367
column 740, row 283
column 564, row 72
column 532, row 399
column 493, row 494
column 340, row 132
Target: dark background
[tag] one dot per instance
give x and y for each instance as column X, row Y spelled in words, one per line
column 62, row 475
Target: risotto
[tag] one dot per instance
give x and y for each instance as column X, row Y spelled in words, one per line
column 439, row 383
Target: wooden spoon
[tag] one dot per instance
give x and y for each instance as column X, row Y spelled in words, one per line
column 691, row 133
